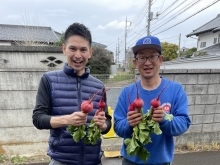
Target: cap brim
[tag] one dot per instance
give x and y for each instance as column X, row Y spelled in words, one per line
column 141, row 47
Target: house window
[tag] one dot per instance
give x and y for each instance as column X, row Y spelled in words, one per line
column 203, row 44
column 215, row 41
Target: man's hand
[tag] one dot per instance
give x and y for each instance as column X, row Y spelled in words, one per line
column 77, row 119
column 100, row 120
column 158, row 114
column 134, row 117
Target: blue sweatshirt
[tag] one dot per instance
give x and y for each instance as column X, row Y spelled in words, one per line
column 174, row 101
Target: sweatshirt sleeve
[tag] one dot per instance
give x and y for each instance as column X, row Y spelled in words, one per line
column 121, row 125
column 41, row 113
column 181, row 121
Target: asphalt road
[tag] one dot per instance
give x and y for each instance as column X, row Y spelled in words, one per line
column 192, row 158
column 195, row 158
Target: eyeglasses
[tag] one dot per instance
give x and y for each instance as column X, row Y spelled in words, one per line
column 143, row 59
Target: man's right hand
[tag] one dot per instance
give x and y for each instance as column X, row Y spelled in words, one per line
column 77, row 119
column 134, row 117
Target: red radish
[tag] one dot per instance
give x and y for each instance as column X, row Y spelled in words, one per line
column 138, row 102
column 155, row 103
column 131, row 105
column 87, row 105
column 102, row 103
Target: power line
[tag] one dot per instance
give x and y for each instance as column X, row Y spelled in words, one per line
column 189, row 17
column 138, row 18
column 162, row 5
column 153, row 2
column 169, row 7
column 169, row 38
column 142, row 30
column 177, row 15
column 166, row 10
column 130, row 7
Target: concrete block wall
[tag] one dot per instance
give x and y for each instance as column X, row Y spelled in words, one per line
column 203, row 92
column 19, row 78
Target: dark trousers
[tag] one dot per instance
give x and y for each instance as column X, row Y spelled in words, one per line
column 127, row 162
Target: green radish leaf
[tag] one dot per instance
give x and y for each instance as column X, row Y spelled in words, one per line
column 143, row 154
column 132, row 146
column 148, row 115
column 143, row 136
column 136, row 132
column 93, row 133
column 147, row 140
column 86, row 141
column 168, row 117
column 157, row 129
column 77, row 132
column 127, row 141
column 150, row 122
column 142, row 125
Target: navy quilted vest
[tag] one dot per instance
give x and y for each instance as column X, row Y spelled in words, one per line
column 67, row 93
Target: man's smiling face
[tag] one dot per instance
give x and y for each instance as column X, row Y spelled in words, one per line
column 78, row 52
column 148, row 63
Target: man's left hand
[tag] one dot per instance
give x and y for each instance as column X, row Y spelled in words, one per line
column 100, row 120
column 158, row 114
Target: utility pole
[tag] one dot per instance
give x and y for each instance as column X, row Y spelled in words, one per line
column 125, row 42
column 126, row 25
column 116, row 55
column 179, row 45
column 118, row 52
column 149, row 17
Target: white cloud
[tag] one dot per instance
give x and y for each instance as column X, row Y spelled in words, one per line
column 94, row 16
column 58, row 12
column 119, row 5
column 14, row 17
column 113, row 25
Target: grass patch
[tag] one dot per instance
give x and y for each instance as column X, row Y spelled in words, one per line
column 108, row 79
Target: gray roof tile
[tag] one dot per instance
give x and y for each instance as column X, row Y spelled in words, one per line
column 213, row 25
column 27, row 33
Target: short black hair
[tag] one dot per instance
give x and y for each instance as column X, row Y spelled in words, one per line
column 78, row 29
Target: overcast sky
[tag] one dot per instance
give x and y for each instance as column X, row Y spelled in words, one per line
column 106, row 18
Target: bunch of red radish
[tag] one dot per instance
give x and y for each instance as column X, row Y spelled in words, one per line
column 138, row 102
column 78, row 132
column 94, row 132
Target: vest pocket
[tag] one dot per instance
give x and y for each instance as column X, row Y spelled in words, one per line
column 54, row 142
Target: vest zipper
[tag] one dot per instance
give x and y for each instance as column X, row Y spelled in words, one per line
column 79, row 101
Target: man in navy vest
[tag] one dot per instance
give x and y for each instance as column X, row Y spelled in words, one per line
column 58, row 101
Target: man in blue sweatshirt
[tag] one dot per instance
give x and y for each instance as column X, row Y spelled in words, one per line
column 147, row 59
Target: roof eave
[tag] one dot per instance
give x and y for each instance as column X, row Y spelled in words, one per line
column 197, row 33
column 216, row 30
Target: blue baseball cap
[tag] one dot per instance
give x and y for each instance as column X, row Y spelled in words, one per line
column 147, row 42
